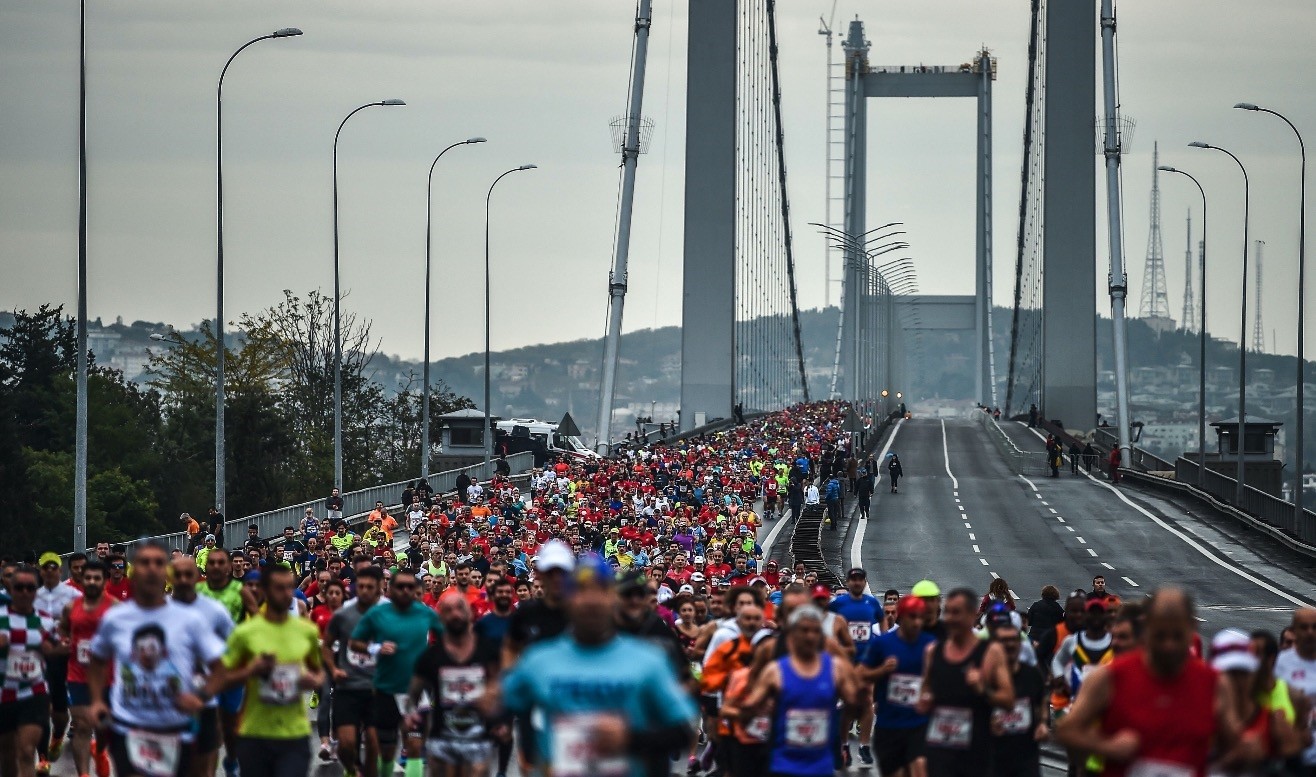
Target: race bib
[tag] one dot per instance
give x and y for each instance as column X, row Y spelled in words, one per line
column 1018, row 719
column 807, row 728
column 156, row 755
column 460, row 685
column 759, row 728
column 903, row 689
column 280, row 688
column 360, row 660
column 951, row 727
column 573, row 749
column 83, row 652
column 288, row 555
column 23, row 666
column 1150, row 767
column 860, row 632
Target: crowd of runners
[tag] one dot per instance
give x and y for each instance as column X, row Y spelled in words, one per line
column 617, row 618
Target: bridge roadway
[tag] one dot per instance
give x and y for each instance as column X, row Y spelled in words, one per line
column 962, row 518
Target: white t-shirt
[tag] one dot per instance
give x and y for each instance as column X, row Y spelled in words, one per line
column 157, row 653
column 216, row 616
column 1300, row 674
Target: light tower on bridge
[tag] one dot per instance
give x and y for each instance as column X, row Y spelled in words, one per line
column 1189, row 296
column 1155, row 304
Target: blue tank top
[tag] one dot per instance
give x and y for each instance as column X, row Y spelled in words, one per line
column 805, row 735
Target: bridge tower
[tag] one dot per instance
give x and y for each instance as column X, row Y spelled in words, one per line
column 1154, row 308
column 1189, row 296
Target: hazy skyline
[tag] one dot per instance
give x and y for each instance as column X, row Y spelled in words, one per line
column 542, row 81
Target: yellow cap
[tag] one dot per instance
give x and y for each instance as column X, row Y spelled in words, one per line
column 49, row 557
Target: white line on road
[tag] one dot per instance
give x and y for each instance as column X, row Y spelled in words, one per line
column 994, row 575
column 971, row 537
column 856, row 544
column 961, row 507
column 1030, row 483
column 1082, row 541
column 1130, row 582
column 967, row 526
column 976, row 550
column 1071, row 528
column 1013, row 595
column 957, row 501
column 1108, row 566
column 1092, row 552
column 945, row 451
column 1053, row 510
column 1058, row 518
column 1045, row 503
column 984, row 561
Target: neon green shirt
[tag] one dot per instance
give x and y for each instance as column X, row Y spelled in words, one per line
column 274, row 707
column 230, row 596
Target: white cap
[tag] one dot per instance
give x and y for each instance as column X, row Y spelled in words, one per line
column 687, row 589
column 556, row 555
column 1231, row 650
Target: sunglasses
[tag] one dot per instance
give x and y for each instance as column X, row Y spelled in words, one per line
column 119, row 566
column 405, row 586
column 23, row 587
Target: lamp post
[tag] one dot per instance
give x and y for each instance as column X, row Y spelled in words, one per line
column 80, row 402
column 425, row 396
column 1242, row 333
column 1201, row 339
column 286, row 32
column 488, row 432
column 338, row 300
column 1302, row 296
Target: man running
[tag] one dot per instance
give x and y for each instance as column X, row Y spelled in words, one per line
column 276, row 656
column 1082, row 651
column 215, row 615
column 222, row 586
column 963, row 679
column 53, row 595
column 1017, row 731
column 26, row 639
column 156, row 647
column 396, row 633
column 353, row 673
column 457, row 670
column 862, row 612
column 1296, row 666
column 893, row 665
column 1154, row 711
column 78, row 624
column 805, row 685
column 611, row 702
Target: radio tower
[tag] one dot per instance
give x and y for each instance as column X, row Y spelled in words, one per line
column 1189, row 299
column 1155, row 305
column 1258, row 333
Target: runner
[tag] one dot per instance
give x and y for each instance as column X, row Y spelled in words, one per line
column 1296, row 666
column 611, row 704
column 27, row 638
column 805, row 686
column 78, row 624
column 457, row 671
column 396, row 633
column 186, row 576
column 893, row 664
column 223, row 587
column 1080, row 654
column 863, row 613
column 1154, row 711
column 156, row 647
column 52, row 596
column 963, row 678
column 352, row 672
column 276, row 656
column 1016, row 731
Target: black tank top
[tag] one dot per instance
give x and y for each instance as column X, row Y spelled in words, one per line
column 960, row 716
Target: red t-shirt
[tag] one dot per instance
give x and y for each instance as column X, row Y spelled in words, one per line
column 121, row 591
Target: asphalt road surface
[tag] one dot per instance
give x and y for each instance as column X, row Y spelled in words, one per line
column 962, row 518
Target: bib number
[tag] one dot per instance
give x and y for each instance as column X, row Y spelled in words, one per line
column 903, row 689
column 807, row 728
column 280, row 689
column 951, row 727
column 83, row 653
column 861, row 632
column 287, row 556
column 460, row 685
column 23, row 666
column 1017, row 720
column 1149, row 767
column 573, row 749
column 759, row 728
column 156, row 755
column 359, row 660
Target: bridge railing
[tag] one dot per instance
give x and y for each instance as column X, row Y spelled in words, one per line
column 356, row 504
column 1266, row 507
column 1020, row 462
column 1143, row 461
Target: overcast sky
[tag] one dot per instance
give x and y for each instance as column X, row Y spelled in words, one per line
column 542, row 80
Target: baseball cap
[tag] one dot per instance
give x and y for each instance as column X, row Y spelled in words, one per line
column 699, row 559
column 857, row 572
column 49, row 557
column 910, row 605
column 697, row 577
column 1230, row 651
column 556, row 555
column 1096, row 604
column 820, row 591
column 591, row 569
column 925, row 589
column 686, row 589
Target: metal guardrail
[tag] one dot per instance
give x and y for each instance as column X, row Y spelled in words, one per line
column 1019, row 461
column 356, row 504
column 1265, row 507
column 1141, row 460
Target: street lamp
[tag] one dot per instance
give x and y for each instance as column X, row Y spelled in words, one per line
column 1242, row 335
column 488, row 431
column 80, row 379
column 1302, row 266
column 425, row 396
column 338, row 299
column 286, row 32
column 1201, row 340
